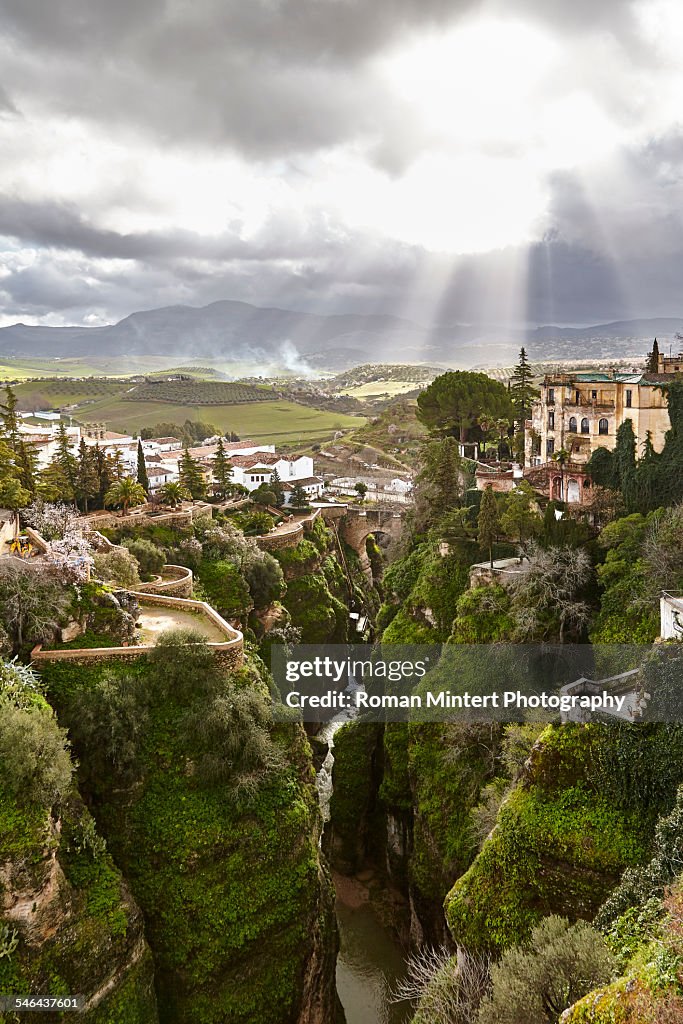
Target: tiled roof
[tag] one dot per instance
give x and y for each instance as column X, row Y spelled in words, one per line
column 258, row 459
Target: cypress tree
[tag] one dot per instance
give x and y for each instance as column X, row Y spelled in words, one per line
column 488, row 523
column 522, row 396
column 653, row 358
column 143, row 479
column 87, row 482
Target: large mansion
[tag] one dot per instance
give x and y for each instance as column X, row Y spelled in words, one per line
column 580, row 412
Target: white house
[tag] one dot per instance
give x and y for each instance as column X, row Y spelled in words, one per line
column 313, row 486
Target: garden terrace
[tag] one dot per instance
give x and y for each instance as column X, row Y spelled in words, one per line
column 159, row 614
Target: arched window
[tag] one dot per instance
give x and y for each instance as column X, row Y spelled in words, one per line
column 603, row 427
column 572, row 424
column 585, row 426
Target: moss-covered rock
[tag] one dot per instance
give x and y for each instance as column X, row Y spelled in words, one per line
column 72, row 922
column 353, row 801
column 562, row 838
column 236, row 902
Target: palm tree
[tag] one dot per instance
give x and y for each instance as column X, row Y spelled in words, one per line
column 173, row 494
column 561, row 457
column 127, row 493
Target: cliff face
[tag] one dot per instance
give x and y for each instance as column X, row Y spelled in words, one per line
column 68, row 920
column 237, row 905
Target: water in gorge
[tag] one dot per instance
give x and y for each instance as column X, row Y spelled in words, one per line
column 370, row 957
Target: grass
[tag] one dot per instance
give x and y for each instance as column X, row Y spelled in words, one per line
column 275, row 422
column 375, row 389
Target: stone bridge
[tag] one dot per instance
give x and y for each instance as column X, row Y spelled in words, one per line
column 355, row 523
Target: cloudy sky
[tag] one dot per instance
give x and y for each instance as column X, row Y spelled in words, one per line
column 444, row 160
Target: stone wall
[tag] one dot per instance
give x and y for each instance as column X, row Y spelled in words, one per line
column 175, row 581
column 229, row 652
column 144, row 514
column 276, row 541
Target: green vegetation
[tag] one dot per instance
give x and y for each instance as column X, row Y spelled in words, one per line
column 230, row 802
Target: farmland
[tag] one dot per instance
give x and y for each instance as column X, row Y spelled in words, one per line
column 117, row 403
column 275, row 421
column 198, row 392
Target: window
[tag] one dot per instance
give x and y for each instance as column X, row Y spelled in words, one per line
column 578, row 398
column 603, row 427
column 551, row 396
column 549, row 446
column 551, row 421
column 585, row 426
column 594, row 395
column 572, row 424
column 629, row 399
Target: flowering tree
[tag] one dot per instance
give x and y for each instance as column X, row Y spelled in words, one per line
column 54, row 520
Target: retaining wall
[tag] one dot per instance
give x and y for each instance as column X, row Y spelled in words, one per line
column 230, row 652
column 175, row 581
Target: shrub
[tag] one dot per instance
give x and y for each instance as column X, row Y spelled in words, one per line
column 149, row 557
column 225, row 588
column 535, row 983
column 264, row 578
column 35, row 766
column 119, row 567
column 110, row 723
column 237, row 749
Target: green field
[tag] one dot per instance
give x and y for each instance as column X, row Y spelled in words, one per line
column 278, row 422
column 377, row 389
column 113, row 402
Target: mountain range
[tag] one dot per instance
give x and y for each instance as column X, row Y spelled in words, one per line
column 236, row 331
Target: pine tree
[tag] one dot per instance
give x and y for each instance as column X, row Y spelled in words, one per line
column 143, row 479
column 66, row 461
column 522, row 395
column 299, row 496
column 488, row 523
column 10, row 420
column 275, row 486
column 439, row 485
column 87, row 483
column 222, row 470
column 26, row 463
column 191, row 475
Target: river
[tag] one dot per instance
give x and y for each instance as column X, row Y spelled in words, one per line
column 370, row 959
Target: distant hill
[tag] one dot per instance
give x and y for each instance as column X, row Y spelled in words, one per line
column 236, row 331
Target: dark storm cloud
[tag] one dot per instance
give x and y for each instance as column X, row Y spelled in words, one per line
column 267, row 77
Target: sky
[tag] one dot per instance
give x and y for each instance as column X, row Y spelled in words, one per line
column 449, row 161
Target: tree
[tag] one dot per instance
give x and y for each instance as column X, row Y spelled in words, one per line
column 126, row 493
column 118, row 566
column 26, row 463
column 143, row 479
column 522, row 391
column 149, row 557
column 222, row 470
column 66, row 461
column 488, row 523
column 457, row 401
column 547, row 600
column 32, row 604
column 361, row 490
column 35, row 766
column 520, row 518
column 536, row 982
column 173, row 494
column 522, row 395
column 191, row 476
column 86, row 476
column 441, row 480
column 653, row 359
column 299, row 497
column 276, row 488
column 10, row 420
